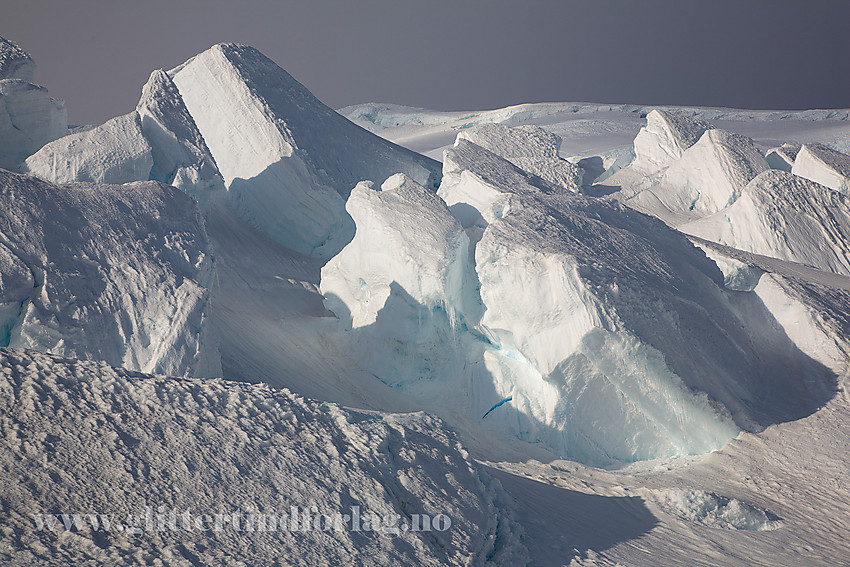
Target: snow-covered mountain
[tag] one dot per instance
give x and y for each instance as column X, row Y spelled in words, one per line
column 630, row 322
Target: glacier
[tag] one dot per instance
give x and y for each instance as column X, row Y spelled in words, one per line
column 784, row 216
column 556, row 321
column 112, row 273
column 288, row 161
column 29, row 117
column 628, row 324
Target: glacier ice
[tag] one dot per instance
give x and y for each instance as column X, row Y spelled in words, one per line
column 288, row 161
column 180, row 154
column 402, row 276
column 530, row 148
column 113, row 273
column 784, row 216
column 590, row 330
column 823, row 165
column 115, row 152
column 664, row 139
column 710, row 175
column 113, row 442
column 29, row 118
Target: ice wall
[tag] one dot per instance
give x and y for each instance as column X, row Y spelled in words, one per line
column 112, row 273
column 288, row 161
column 29, row 118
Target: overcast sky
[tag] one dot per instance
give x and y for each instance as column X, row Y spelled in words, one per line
column 455, row 54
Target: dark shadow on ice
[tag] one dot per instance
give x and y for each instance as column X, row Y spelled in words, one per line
column 559, row 522
column 599, row 190
column 593, row 168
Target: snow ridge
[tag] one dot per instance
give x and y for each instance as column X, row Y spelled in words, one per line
column 216, row 447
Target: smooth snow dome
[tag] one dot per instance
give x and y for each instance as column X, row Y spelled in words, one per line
column 664, row 139
column 530, row 148
column 15, row 63
column 784, row 216
column 112, row 273
column 289, row 161
column 823, row 165
column 88, row 438
column 115, row 152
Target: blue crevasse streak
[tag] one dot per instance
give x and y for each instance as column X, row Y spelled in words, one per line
column 506, row 400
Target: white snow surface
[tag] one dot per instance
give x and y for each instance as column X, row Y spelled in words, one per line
column 115, row 152
column 288, row 160
column 707, row 177
column 823, row 165
column 180, row 154
column 787, row 217
column 664, row 139
column 86, row 438
column 530, row 148
column 112, row 273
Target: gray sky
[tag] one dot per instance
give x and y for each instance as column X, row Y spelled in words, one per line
column 455, row 54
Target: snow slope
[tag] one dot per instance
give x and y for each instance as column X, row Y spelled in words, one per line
column 288, row 161
column 115, row 152
column 86, row 438
column 112, row 273
column 784, row 216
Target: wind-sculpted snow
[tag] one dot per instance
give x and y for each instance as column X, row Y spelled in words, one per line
column 823, row 165
column 288, row 160
column 114, row 273
column 609, row 337
column 784, row 216
column 530, row 148
column 114, row 152
column 664, row 139
column 180, row 155
column 85, row 438
column 15, row 63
